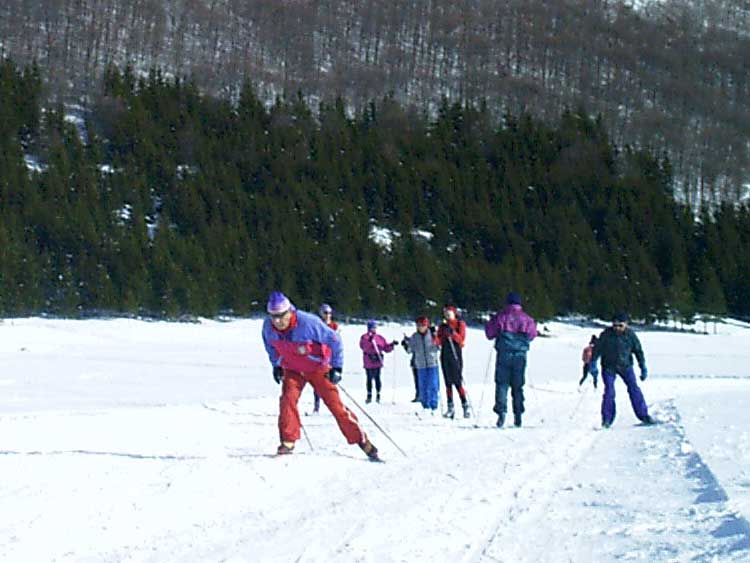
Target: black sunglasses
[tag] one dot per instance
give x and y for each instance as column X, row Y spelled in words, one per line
column 277, row 316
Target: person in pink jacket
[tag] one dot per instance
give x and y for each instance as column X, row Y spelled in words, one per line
column 373, row 348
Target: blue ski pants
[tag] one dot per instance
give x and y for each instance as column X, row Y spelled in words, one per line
column 429, row 386
column 608, row 399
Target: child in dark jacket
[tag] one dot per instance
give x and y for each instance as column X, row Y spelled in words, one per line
column 588, row 354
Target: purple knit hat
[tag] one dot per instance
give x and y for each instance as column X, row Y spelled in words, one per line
column 278, row 303
column 513, row 299
column 325, row 308
column 372, row 324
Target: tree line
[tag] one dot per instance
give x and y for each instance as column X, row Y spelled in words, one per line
column 175, row 202
column 670, row 76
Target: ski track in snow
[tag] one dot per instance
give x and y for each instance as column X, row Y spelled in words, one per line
column 150, row 482
column 646, row 520
column 472, row 492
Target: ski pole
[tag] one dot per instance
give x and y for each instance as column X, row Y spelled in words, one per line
column 544, row 390
column 304, row 431
column 484, row 388
column 371, row 419
column 393, row 402
column 577, row 405
column 453, row 348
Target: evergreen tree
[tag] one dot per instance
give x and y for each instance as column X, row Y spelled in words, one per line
column 710, row 301
column 179, row 202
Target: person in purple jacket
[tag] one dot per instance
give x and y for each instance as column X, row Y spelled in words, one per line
column 512, row 330
column 373, row 348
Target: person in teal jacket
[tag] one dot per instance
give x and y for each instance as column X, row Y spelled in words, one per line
column 616, row 347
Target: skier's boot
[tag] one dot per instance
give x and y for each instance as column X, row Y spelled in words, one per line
column 415, row 399
column 377, row 398
column 517, row 420
column 370, row 450
column 606, row 424
column 648, row 420
column 285, row 448
column 451, row 412
column 369, row 398
column 467, row 409
column 500, row 420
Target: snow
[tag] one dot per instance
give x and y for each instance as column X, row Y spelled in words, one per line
column 125, row 440
column 75, row 115
column 33, row 164
column 421, row 233
column 125, row 212
column 383, row 237
column 641, row 5
column 185, row 170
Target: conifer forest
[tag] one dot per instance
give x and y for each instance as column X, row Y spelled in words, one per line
column 165, row 200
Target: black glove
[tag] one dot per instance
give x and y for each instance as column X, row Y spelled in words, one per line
column 432, row 330
column 644, row 374
column 394, row 342
column 334, row 375
column 278, row 374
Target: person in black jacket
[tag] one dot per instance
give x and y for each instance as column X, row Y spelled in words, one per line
column 616, row 346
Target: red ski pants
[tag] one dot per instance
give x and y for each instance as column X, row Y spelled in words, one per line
column 291, row 389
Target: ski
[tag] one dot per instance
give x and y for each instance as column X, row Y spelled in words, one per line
column 326, row 453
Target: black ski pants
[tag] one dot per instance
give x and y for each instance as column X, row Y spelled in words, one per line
column 510, row 372
column 373, row 376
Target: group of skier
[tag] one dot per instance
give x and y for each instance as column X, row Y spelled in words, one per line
column 306, row 348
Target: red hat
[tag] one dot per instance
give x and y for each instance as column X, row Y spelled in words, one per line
column 423, row 321
column 451, row 308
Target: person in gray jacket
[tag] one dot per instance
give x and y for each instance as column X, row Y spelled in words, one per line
column 424, row 347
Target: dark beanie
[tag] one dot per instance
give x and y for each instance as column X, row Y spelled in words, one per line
column 513, row 299
column 621, row 317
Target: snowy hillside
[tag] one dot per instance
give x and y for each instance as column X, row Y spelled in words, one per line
column 123, row 440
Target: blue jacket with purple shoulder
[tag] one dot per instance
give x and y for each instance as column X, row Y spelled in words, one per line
column 308, row 345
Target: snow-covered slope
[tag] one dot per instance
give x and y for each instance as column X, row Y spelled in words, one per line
column 124, row 440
